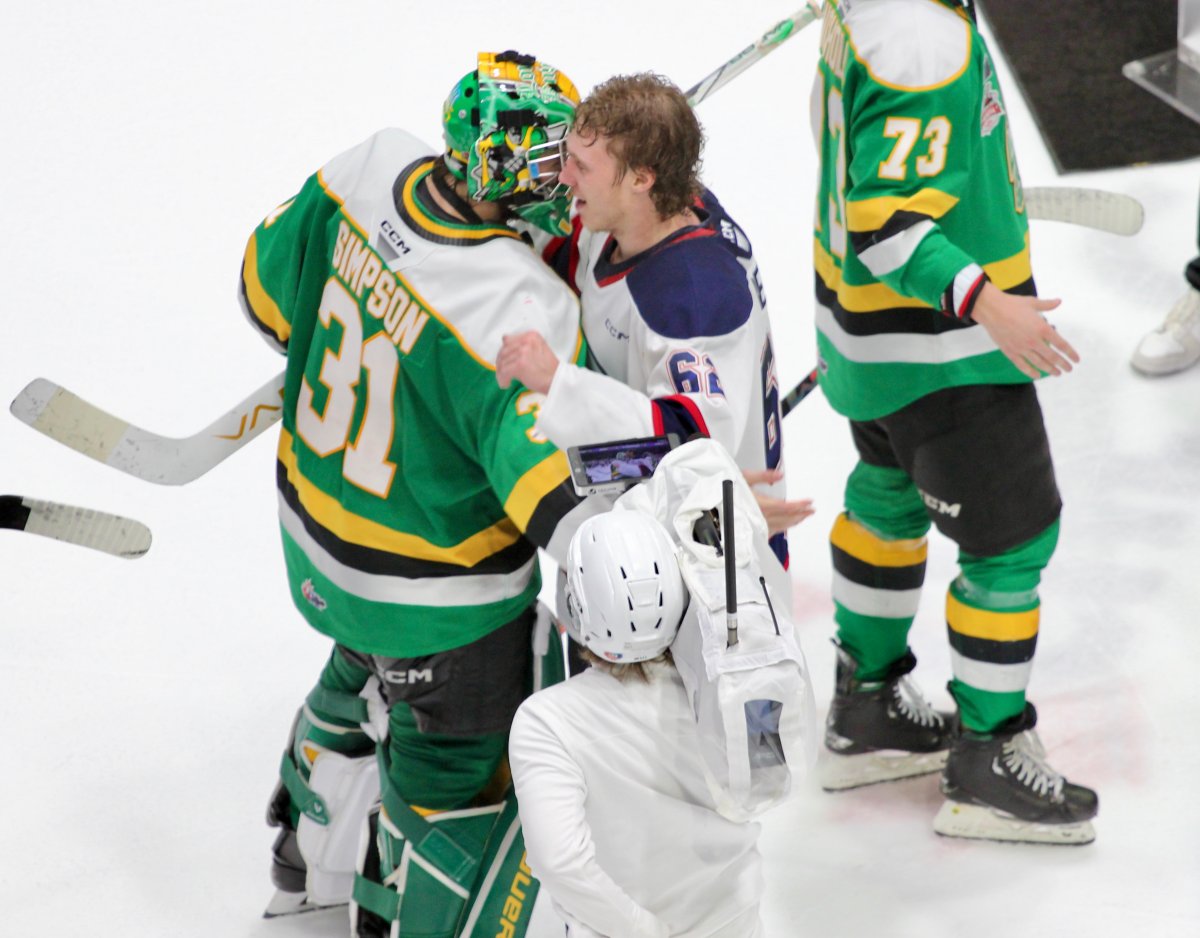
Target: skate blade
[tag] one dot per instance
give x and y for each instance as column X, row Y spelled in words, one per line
column 294, row 903
column 976, row 822
column 841, row 773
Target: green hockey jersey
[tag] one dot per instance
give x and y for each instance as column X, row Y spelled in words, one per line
column 918, row 195
column 412, row 488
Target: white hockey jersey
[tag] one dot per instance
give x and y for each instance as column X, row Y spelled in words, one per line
column 679, row 341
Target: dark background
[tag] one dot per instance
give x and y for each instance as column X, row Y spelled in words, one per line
column 1067, row 56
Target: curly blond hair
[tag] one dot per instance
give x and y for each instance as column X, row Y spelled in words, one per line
column 649, row 125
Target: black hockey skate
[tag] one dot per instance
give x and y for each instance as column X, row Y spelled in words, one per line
column 879, row 731
column 999, row 787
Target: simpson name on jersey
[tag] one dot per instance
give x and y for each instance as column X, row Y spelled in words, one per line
column 412, row 489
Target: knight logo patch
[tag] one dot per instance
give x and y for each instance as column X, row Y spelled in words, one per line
column 993, row 107
column 309, row 592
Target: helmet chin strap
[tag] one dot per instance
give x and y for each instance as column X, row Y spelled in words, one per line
column 448, row 192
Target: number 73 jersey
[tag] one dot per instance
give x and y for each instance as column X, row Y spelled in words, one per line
column 918, row 196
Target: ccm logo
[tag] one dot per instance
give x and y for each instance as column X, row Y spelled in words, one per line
column 394, row 237
column 936, row 504
column 411, row 676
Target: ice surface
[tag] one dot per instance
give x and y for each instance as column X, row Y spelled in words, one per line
column 145, row 704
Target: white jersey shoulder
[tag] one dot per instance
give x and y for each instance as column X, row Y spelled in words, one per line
column 480, row 291
column 490, row 290
column 912, row 45
column 359, row 177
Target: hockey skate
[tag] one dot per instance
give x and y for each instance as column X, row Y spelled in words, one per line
column 1175, row 345
column 880, row 731
column 999, row 787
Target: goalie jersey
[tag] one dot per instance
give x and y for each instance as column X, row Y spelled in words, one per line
column 679, row 341
column 412, row 489
column 918, row 198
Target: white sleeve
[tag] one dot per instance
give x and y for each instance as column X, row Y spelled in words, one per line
column 710, row 382
column 551, row 792
column 587, row 407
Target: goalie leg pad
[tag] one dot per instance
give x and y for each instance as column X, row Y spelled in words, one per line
column 349, row 786
column 406, row 887
column 442, row 873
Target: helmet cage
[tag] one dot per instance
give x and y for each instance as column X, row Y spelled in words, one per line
column 546, row 161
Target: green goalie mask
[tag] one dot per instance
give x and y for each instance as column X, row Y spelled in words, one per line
column 504, row 125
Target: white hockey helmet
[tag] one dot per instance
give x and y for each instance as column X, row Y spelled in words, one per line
column 625, row 595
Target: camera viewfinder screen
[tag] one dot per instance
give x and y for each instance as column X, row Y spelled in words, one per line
column 615, row 462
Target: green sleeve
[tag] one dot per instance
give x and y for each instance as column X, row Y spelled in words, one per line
column 910, row 165
column 273, row 267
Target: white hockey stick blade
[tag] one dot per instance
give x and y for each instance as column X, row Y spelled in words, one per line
column 771, row 40
column 112, row 534
column 1091, row 208
column 85, row 428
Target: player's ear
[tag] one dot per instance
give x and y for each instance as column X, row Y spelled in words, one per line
column 643, row 178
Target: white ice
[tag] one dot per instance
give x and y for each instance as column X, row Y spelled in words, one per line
column 143, row 705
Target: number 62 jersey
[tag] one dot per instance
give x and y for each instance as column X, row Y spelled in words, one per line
column 678, row 342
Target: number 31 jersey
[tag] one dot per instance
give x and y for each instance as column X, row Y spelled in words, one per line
column 412, row 488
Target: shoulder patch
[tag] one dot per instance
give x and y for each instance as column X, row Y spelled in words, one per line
column 694, row 288
column 911, row 45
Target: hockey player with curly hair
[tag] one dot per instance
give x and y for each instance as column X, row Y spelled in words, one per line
column 930, row 333
column 413, row 496
column 679, row 339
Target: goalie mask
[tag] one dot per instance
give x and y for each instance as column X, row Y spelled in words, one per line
column 625, row 596
column 504, row 125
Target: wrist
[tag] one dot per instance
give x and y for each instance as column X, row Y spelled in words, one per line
column 962, row 295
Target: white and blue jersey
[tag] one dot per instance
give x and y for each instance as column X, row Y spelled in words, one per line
column 678, row 342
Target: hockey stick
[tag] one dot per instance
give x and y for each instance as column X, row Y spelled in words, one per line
column 85, row 428
column 1092, row 208
column 771, row 40
column 799, row 393
column 112, row 534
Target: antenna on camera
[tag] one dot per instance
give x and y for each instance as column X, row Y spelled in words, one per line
column 731, row 628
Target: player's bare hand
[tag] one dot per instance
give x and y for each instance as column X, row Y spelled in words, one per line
column 780, row 513
column 526, row 357
column 1017, row 324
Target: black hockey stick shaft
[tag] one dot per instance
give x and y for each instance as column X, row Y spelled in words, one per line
column 799, row 393
column 14, row 514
